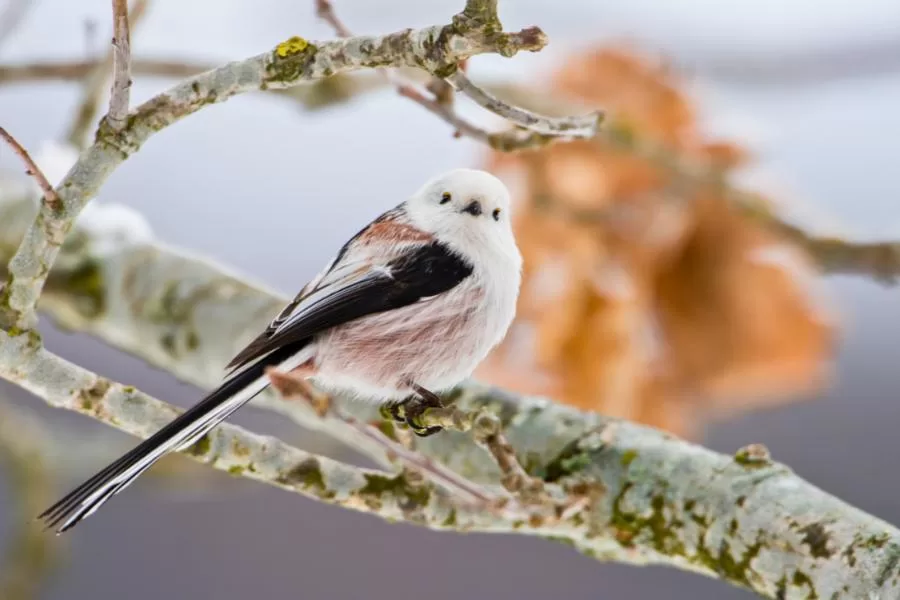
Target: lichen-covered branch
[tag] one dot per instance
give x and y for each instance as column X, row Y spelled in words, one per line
column 432, row 48
column 536, row 130
column 295, row 389
column 653, row 498
column 230, row 448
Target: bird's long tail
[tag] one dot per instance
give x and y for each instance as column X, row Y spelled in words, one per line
column 189, row 427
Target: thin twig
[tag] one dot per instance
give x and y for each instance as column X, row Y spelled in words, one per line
column 78, row 70
column 120, row 91
column 51, row 198
column 515, row 478
column 325, row 11
column 440, row 103
column 585, row 126
column 292, row 389
column 95, row 85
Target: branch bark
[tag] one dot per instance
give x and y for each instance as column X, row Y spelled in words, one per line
column 229, row 448
column 120, row 93
column 741, row 518
column 94, row 80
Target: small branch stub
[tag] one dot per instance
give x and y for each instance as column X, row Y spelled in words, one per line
column 121, row 83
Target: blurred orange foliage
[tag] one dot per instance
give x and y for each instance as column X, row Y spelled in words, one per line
column 646, row 294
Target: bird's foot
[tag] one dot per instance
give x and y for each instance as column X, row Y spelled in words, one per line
column 409, row 410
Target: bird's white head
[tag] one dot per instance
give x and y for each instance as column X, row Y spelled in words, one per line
column 469, row 210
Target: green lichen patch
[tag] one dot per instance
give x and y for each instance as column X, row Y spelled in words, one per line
column 239, row 449
column 661, row 528
column 201, row 447
column 802, row 580
column 86, row 285
column 737, row 570
column 570, row 460
column 481, row 15
column 816, row 537
column 628, row 456
column 289, row 61
column 753, row 456
column 450, row 521
column 890, row 560
column 291, row 46
column 410, row 497
column 308, row 475
column 88, row 398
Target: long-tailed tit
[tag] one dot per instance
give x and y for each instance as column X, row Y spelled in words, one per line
column 408, row 307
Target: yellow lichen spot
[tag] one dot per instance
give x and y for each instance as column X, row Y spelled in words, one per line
column 293, row 45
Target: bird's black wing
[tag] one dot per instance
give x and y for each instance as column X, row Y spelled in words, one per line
column 424, row 271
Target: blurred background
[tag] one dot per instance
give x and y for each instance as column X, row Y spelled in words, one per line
column 647, row 294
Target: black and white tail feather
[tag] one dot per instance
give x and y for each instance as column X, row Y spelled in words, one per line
column 181, row 433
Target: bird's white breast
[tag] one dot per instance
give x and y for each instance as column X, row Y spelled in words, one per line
column 436, row 342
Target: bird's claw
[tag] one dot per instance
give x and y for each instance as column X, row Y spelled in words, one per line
column 408, row 411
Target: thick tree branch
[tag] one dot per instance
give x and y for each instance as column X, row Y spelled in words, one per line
column 664, row 501
column 229, row 448
column 294, row 389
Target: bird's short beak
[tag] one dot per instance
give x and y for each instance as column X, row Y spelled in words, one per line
column 473, row 208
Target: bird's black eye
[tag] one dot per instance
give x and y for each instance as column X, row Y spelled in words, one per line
column 445, row 197
column 496, row 214
column 473, row 208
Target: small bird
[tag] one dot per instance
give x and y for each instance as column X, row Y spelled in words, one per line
column 408, row 307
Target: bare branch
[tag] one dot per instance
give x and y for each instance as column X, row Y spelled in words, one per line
column 229, row 448
column 325, row 11
column 121, row 50
column 77, row 71
column 95, row 83
column 566, row 127
column 440, row 102
column 50, row 197
column 289, row 63
column 293, row 389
